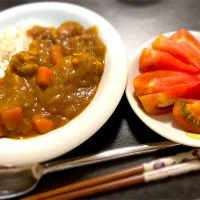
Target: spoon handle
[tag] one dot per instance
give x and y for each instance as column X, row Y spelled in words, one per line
column 106, row 156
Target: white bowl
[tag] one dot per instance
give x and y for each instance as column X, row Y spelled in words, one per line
column 110, row 91
column 164, row 125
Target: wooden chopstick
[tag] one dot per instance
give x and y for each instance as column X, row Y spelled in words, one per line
column 88, row 183
column 105, row 187
column 129, row 181
column 119, row 179
column 162, row 173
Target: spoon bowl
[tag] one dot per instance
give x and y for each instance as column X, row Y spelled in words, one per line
column 16, row 181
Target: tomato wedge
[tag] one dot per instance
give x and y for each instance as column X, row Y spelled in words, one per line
column 187, row 42
column 161, row 80
column 152, row 103
column 163, row 43
column 151, row 60
column 187, row 114
column 160, row 103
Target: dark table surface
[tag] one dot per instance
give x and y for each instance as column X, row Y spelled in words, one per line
column 136, row 23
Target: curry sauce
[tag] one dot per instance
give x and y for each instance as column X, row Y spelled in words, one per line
column 51, row 83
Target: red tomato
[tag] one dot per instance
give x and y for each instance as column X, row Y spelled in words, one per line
column 160, row 103
column 187, row 114
column 163, row 43
column 151, row 60
column 161, row 80
column 151, row 104
column 198, row 75
column 187, row 42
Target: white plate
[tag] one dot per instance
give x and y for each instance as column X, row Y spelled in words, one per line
column 164, row 125
column 110, row 91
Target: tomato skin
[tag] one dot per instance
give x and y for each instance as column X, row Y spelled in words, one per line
column 162, row 80
column 163, row 43
column 150, row 104
column 187, row 42
column 198, row 75
column 187, row 113
column 160, row 103
column 151, row 60
column 146, row 62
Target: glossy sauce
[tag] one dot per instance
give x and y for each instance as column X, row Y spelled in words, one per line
column 73, row 84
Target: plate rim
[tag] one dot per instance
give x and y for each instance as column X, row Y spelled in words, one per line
column 35, row 155
column 138, row 111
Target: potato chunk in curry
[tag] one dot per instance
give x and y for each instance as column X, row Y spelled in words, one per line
column 25, row 62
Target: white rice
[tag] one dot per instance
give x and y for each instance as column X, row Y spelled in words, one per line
column 13, row 39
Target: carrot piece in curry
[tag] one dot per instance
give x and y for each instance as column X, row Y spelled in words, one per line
column 43, row 76
column 56, row 54
column 12, row 117
column 42, row 124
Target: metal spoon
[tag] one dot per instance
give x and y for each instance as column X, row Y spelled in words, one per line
column 19, row 180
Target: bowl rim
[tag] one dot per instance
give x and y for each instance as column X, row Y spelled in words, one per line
column 36, row 149
column 138, row 111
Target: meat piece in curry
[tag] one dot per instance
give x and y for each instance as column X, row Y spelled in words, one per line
column 51, row 83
